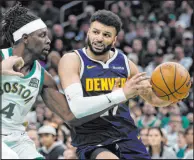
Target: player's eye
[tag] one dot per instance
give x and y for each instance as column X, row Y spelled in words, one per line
column 43, row 35
column 95, row 32
column 107, row 35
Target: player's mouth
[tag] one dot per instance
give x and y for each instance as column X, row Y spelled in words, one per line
column 98, row 46
column 46, row 50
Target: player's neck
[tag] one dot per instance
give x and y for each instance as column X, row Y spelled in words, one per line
column 104, row 58
column 20, row 51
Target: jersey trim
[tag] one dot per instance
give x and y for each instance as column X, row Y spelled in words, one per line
column 104, row 65
column 82, row 64
column 10, row 52
column 41, row 79
column 2, row 55
column 31, row 72
column 127, row 64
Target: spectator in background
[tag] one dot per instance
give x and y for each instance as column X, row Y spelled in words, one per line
column 71, row 31
column 156, row 148
column 33, row 134
column 180, row 57
column 51, row 149
column 137, row 47
column 148, row 119
column 189, row 140
column 158, row 59
column 88, row 11
column 144, row 136
column 186, row 14
column 181, row 145
column 174, row 126
column 187, row 42
column 150, row 52
column 49, row 14
column 120, row 43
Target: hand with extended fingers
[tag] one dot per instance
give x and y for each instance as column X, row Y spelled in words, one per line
column 133, row 85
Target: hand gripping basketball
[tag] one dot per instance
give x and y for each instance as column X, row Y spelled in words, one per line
column 133, row 84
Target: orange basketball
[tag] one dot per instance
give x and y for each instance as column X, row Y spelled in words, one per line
column 171, row 81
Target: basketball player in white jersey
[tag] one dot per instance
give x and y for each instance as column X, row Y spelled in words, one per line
column 21, row 85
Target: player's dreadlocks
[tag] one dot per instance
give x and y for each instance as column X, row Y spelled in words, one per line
column 15, row 18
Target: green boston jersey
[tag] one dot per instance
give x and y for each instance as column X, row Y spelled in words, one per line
column 18, row 95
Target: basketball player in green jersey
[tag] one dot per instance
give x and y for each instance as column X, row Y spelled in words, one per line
column 21, row 86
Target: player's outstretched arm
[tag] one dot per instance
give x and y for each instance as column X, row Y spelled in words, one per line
column 69, row 73
column 146, row 93
column 55, row 100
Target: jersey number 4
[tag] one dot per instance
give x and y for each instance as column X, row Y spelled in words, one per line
column 8, row 110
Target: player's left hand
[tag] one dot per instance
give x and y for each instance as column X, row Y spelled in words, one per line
column 8, row 64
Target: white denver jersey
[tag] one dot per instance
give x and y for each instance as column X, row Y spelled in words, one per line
column 18, row 95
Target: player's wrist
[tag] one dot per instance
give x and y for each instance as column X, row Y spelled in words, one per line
column 117, row 96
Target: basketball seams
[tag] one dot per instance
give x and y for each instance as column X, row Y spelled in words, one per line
column 160, row 89
column 166, row 83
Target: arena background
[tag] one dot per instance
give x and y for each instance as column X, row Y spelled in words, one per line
column 153, row 32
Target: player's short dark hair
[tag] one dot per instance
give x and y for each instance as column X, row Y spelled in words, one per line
column 107, row 18
column 15, row 18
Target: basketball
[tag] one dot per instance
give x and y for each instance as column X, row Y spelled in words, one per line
column 171, row 81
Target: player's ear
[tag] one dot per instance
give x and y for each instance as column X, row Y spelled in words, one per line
column 25, row 38
column 115, row 39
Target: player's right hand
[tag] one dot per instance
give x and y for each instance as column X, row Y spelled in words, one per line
column 8, row 64
column 133, row 84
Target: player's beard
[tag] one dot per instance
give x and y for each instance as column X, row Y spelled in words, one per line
column 98, row 53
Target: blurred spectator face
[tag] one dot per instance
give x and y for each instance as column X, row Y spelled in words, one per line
column 48, row 3
column 169, row 4
column 188, row 39
column 175, row 123
column 115, row 8
column 144, row 136
column 40, row 112
column 69, row 154
column 148, row 109
column 174, row 109
column 154, row 137
column 152, row 46
column 58, row 45
column 89, row 10
column 179, row 53
column 58, row 30
column 163, row 110
column 181, row 140
column 60, row 135
column 190, row 118
column 48, row 113
column 140, row 31
column 180, row 27
column 34, row 137
column 72, row 20
column 137, row 45
column 47, row 140
column 121, row 36
column 158, row 59
column 189, row 136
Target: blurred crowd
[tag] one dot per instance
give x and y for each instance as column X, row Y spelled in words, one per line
column 153, row 32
